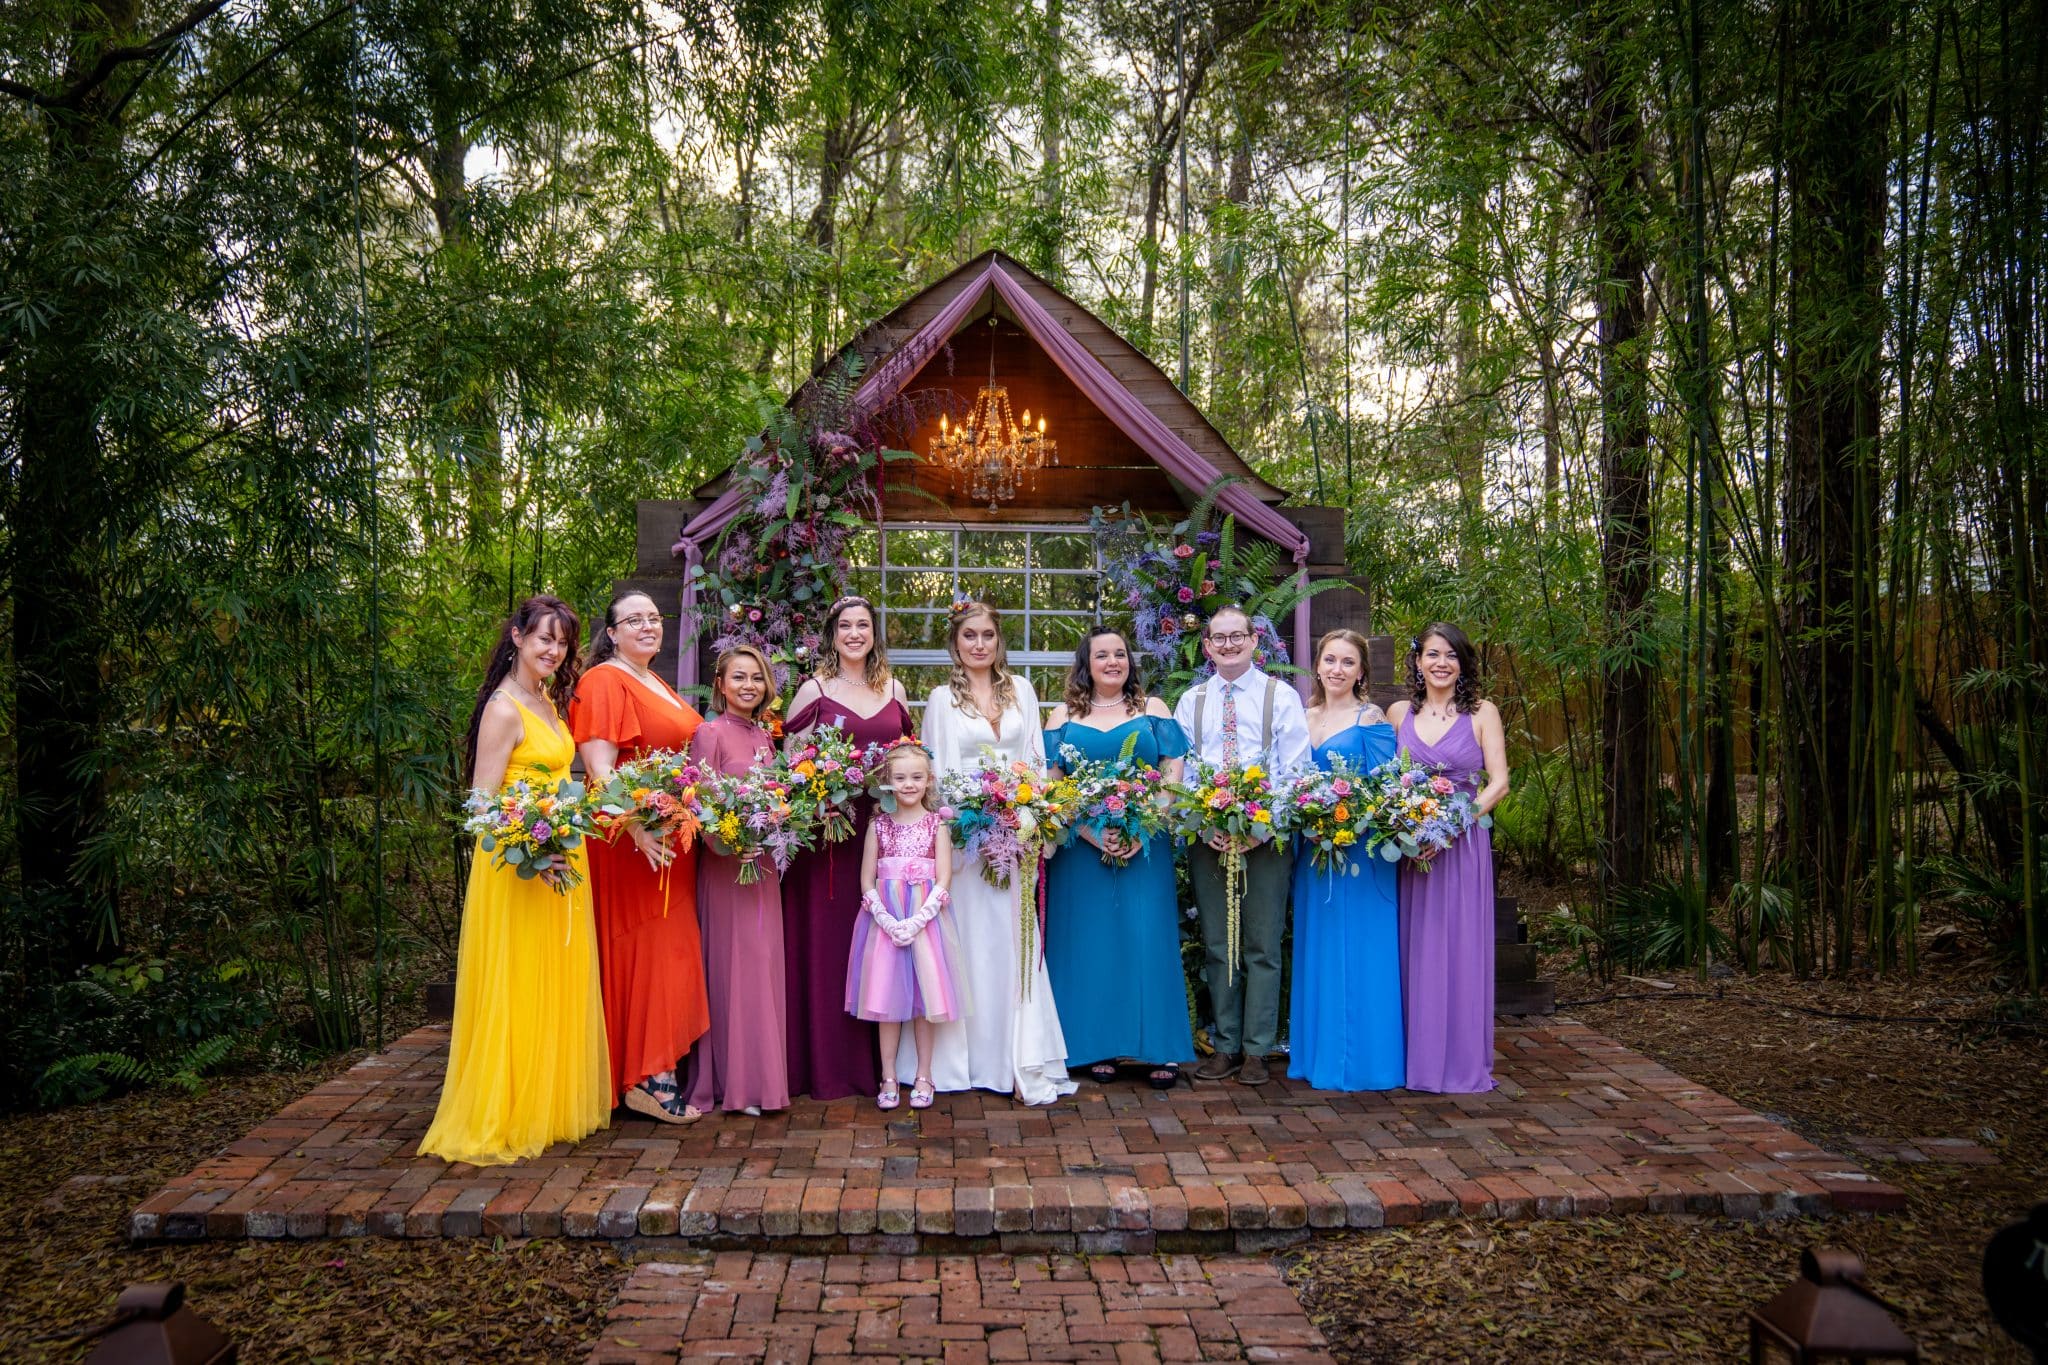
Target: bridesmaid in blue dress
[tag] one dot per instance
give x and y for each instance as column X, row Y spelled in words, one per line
column 1112, row 933
column 1344, row 1023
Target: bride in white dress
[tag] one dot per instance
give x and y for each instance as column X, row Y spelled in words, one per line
column 1008, row 1042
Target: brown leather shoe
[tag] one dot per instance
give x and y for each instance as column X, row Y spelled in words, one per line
column 1218, row 1066
column 1253, row 1072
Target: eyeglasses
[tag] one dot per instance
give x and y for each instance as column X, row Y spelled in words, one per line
column 1230, row 641
column 637, row 622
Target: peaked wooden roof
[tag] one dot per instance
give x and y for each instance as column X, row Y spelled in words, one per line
column 1131, row 367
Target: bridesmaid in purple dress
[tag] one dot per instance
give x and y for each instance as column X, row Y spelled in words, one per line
column 740, row 1064
column 831, row 1053
column 1447, row 909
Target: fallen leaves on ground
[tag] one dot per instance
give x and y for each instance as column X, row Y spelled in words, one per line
column 1677, row 1288
column 67, row 1178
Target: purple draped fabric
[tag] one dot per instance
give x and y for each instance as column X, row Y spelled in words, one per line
column 1086, row 373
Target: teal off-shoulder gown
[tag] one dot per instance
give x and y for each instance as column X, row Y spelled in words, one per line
column 1112, row 934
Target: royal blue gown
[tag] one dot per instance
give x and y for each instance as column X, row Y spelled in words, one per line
column 1344, row 1023
column 1112, row 934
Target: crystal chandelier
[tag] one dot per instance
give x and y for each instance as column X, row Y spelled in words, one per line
column 991, row 454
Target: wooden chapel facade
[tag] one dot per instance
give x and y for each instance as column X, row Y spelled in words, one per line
column 1125, row 433
column 1031, row 554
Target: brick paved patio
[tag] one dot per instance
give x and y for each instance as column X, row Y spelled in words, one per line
column 1579, row 1125
column 963, row 1310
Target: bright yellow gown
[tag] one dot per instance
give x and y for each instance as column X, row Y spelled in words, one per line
column 527, row 1061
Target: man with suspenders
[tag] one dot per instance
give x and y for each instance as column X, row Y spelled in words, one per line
column 1238, row 717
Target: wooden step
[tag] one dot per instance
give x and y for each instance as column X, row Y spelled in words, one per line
column 1514, row 962
column 1524, row 997
column 1507, row 921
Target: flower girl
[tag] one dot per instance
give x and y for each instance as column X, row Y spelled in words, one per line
column 905, row 959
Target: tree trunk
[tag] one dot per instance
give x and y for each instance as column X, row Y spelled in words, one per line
column 1167, row 131
column 1465, row 424
column 1155, row 199
column 1616, row 158
column 62, row 534
column 1835, row 173
column 1051, row 130
column 835, row 160
column 1226, row 359
column 473, row 406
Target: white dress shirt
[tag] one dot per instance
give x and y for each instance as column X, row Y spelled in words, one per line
column 1285, row 753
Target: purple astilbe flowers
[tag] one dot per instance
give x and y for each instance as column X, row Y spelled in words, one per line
column 811, row 482
column 1174, row 581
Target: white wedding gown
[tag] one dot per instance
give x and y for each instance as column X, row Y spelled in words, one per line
column 1007, row 1042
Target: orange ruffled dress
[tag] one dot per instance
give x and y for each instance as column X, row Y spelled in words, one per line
column 655, row 1008
column 526, row 1053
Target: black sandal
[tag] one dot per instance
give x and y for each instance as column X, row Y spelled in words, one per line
column 661, row 1101
column 1103, row 1072
column 1164, row 1077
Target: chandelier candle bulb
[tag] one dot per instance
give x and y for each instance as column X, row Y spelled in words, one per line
column 992, row 453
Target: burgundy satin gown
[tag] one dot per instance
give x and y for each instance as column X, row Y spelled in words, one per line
column 831, row 1053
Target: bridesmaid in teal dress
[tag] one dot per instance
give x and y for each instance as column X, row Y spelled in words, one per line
column 1112, row 933
column 1344, row 1025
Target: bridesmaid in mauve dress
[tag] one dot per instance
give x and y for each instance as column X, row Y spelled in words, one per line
column 1447, row 910
column 741, row 1065
column 644, row 889
column 831, row 1053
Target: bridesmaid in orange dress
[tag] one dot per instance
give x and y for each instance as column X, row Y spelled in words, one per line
column 644, row 888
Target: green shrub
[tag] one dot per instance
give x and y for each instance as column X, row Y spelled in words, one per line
column 145, row 1021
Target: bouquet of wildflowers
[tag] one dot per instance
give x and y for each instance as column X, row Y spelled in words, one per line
column 531, row 827
column 1004, row 814
column 829, row 773
column 997, row 813
column 1120, row 796
column 1329, row 812
column 753, row 815
column 1414, row 811
column 1238, row 804
column 657, row 791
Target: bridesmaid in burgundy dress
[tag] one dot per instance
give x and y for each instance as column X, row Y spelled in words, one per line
column 831, row 1053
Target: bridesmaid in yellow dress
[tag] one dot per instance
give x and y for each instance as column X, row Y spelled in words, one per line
column 527, row 1062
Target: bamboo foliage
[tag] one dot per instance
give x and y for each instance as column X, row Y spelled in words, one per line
column 1691, row 354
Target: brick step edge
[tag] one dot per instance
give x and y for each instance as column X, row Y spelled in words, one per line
column 1249, row 1216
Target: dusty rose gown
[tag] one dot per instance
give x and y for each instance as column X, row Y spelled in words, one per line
column 742, row 1060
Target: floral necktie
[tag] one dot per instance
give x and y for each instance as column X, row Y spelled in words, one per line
column 1229, row 726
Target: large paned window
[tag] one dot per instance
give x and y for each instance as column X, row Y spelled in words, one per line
column 1044, row 580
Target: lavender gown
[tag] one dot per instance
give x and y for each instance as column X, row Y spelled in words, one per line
column 1447, row 936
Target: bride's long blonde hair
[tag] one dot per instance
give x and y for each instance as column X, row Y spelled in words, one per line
column 999, row 670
